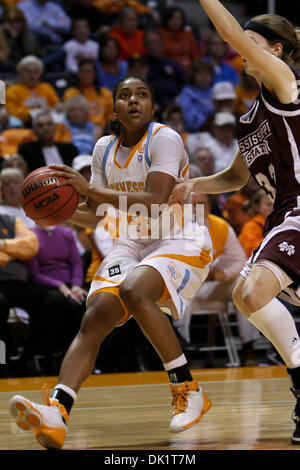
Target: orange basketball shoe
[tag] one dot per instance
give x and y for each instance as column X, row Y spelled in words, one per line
column 48, row 422
column 189, row 403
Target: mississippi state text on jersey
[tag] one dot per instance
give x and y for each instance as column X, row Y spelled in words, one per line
column 269, row 142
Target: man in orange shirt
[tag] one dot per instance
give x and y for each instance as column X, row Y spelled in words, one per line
column 131, row 39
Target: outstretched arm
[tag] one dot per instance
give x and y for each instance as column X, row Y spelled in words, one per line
column 275, row 74
column 232, row 178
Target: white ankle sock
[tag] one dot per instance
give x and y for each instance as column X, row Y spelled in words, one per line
column 278, row 326
column 178, row 362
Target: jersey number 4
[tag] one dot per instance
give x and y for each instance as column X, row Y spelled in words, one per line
column 268, row 182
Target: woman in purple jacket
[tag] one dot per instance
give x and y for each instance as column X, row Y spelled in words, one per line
column 58, row 267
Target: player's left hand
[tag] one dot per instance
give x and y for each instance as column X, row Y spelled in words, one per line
column 73, row 178
column 181, row 193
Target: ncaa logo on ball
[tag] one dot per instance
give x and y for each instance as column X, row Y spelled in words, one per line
column 43, row 203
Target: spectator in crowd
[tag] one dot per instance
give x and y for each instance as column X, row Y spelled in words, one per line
column 4, row 52
column 215, row 53
column 29, row 95
column 80, row 46
column 111, row 7
column 205, row 31
column 7, row 121
column 15, row 161
column 11, row 182
column 246, row 92
column 166, row 76
column 137, row 65
column 224, row 97
column 194, row 171
column 17, row 42
column 57, row 267
column 47, row 20
column 233, row 209
column 99, row 22
column 110, row 68
column 17, row 244
column 228, row 260
column 127, row 33
column 83, row 131
column 220, row 140
column 173, row 117
column 196, row 98
column 99, row 98
column 179, row 43
column 11, row 139
column 258, row 207
column 45, row 151
column 204, row 160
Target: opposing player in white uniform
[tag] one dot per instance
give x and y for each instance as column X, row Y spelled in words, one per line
column 150, row 267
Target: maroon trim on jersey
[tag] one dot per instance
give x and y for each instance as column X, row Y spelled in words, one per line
column 248, row 117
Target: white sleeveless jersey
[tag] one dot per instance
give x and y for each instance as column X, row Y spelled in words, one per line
column 126, row 169
column 182, row 262
column 160, row 149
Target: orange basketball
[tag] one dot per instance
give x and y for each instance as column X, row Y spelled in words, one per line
column 43, row 201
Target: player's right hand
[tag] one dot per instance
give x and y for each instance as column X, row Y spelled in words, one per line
column 181, row 193
column 73, row 178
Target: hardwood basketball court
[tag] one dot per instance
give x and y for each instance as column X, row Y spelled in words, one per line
column 251, row 410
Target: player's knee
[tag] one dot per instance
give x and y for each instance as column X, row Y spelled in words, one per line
column 252, row 296
column 130, row 295
column 237, row 296
column 96, row 321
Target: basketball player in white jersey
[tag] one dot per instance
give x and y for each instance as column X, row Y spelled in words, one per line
column 141, row 160
column 269, row 150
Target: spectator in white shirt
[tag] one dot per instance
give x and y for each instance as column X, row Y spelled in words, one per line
column 220, row 140
column 80, row 46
